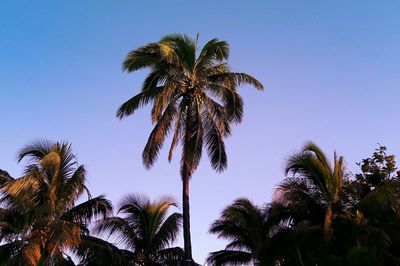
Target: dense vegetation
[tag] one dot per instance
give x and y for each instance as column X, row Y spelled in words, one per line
column 320, row 214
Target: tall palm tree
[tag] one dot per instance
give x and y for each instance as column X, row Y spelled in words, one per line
column 195, row 96
column 314, row 191
column 247, row 228
column 39, row 218
column 145, row 230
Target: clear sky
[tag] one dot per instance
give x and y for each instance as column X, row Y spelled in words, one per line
column 331, row 70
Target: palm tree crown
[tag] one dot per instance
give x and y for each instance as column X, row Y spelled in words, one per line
column 246, row 226
column 39, row 216
column 145, row 230
column 314, row 191
column 196, row 93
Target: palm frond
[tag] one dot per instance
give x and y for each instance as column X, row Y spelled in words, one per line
column 157, row 136
column 305, row 164
column 95, row 251
column 142, row 57
column 23, row 184
column 137, row 101
column 233, row 103
column 237, row 79
column 73, row 187
column 36, row 150
column 181, row 50
column 213, row 50
column 120, row 229
column 218, row 112
column 88, row 210
column 229, row 257
column 214, row 142
column 178, row 128
column 168, row 231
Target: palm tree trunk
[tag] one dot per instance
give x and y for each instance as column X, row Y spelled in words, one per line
column 186, row 220
column 328, row 224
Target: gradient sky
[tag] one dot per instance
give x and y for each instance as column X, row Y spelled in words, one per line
column 331, row 70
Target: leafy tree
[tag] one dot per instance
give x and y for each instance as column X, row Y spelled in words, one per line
column 40, row 221
column 145, row 230
column 194, row 96
column 374, row 197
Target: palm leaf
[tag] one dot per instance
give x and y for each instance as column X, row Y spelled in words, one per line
column 237, row 79
column 137, row 101
column 142, row 57
column 214, row 50
column 229, row 257
column 215, row 143
column 95, row 251
column 36, row 150
column 88, row 210
column 168, row 231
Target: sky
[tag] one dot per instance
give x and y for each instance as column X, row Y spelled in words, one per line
column 330, row 71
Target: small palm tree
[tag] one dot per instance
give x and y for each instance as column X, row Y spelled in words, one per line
column 39, row 219
column 314, row 191
column 145, row 230
column 247, row 228
column 194, row 96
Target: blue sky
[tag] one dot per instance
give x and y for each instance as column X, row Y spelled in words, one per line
column 330, row 69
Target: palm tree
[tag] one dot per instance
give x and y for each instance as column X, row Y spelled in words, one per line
column 145, row 230
column 194, row 96
column 313, row 192
column 39, row 219
column 247, row 228
column 356, row 218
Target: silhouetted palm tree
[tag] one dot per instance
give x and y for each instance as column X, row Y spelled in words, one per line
column 194, row 96
column 145, row 230
column 318, row 194
column 247, row 228
column 39, row 219
column 313, row 192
